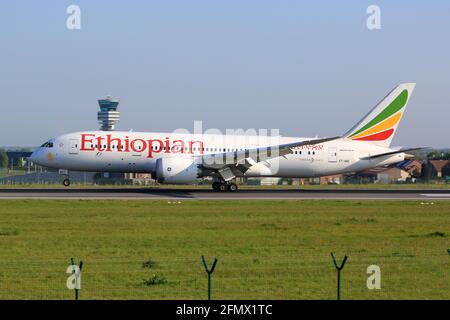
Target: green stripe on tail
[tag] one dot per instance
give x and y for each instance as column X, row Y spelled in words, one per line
column 392, row 108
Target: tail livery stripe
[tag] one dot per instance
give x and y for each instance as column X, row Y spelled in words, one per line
column 378, row 136
column 380, row 124
column 386, row 124
column 397, row 104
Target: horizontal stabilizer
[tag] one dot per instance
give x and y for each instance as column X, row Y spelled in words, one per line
column 391, row 153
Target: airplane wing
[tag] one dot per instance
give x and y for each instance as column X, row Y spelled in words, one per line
column 228, row 164
column 391, row 153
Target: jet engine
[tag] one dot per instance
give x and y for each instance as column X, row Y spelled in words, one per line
column 177, row 171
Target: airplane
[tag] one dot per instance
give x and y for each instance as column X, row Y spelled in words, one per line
column 185, row 158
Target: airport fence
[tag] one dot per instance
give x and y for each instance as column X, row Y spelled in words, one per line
column 402, row 275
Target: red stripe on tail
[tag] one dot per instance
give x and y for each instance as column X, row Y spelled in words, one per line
column 378, row 136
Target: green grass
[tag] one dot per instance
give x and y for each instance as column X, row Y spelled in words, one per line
column 266, row 249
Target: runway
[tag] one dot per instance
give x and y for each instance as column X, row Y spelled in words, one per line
column 204, row 194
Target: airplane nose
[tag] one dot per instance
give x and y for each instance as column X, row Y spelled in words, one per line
column 35, row 156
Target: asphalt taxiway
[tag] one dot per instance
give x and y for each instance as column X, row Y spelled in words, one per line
column 204, row 194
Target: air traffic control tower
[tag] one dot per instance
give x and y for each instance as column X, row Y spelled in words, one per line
column 108, row 116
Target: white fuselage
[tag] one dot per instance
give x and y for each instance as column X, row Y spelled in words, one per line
column 99, row 151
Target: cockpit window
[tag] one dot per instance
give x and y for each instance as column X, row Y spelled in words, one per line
column 48, row 144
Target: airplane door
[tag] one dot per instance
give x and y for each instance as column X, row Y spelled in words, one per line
column 73, row 146
column 332, row 154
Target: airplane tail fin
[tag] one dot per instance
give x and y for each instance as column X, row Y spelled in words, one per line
column 380, row 124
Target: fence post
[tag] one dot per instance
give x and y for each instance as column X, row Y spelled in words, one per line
column 339, row 269
column 209, row 272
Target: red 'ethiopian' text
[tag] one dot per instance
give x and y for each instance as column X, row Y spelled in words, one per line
column 107, row 143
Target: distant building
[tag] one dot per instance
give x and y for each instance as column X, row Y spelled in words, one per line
column 440, row 168
column 407, row 170
column 139, row 178
column 393, row 175
column 270, row 181
column 108, row 116
column 365, row 176
column 414, row 167
column 333, row 179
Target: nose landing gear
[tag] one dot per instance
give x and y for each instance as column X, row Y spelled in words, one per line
column 65, row 174
column 224, row 186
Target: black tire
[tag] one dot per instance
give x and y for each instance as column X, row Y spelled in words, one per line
column 66, row 182
column 232, row 187
column 223, row 187
column 216, row 186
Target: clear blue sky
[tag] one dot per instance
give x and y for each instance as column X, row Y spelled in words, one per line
column 307, row 68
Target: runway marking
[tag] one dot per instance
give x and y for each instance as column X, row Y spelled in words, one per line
column 436, row 194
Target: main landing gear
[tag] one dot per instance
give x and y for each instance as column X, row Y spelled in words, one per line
column 224, row 186
column 66, row 182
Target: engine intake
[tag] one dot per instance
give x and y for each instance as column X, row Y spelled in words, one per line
column 177, row 171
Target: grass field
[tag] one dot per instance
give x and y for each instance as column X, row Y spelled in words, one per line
column 266, row 249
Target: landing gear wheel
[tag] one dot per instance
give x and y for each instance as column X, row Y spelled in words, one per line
column 216, row 186
column 223, row 187
column 232, row 187
column 66, row 182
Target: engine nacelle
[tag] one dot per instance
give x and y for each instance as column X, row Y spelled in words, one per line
column 177, row 171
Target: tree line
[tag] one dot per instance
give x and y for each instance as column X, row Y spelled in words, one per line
column 3, row 159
